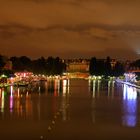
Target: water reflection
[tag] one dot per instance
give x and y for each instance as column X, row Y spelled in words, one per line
column 111, row 87
column 59, row 88
column 129, row 106
column 47, row 98
column 65, row 100
column 15, row 101
column 93, row 111
column 97, row 86
column 54, row 86
column 2, row 98
column 39, row 102
column 11, row 99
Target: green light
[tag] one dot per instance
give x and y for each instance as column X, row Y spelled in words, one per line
column 3, row 76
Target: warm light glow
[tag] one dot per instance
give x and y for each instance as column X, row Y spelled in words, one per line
column 24, row 75
column 98, row 87
column 3, row 76
column 39, row 89
column 0, row 92
column 93, row 94
column 68, row 86
column 2, row 101
column 11, row 80
column 27, row 94
column 18, row 93
column 64, row 87
column 55, row 88
column 58, row 84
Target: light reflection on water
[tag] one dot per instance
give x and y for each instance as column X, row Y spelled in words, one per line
column 42, row 100
column 128, row 94
column 129, row 106
column 97, row 86
column 2, row 100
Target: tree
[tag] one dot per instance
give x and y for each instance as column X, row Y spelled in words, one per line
column 96, row 67
column 21, row 63
column 136, row 63
column 108, row 70
column 2, row 63
column 93, row 66
column 118, row 69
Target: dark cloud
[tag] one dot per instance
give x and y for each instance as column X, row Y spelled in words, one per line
column 70, row 27
column 13, row 30
column 102, row 32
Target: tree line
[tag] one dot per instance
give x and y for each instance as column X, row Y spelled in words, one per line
column 49, row 66
column 135, row 64
column 56, row 66
column 105, row 67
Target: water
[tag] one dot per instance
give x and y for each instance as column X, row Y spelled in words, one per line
column 70, row 109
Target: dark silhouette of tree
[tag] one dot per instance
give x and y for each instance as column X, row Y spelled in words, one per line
column 59, row 66
column 21, row 63
column 135, row 64
column 55, row 66
column 26, row 63
column 49, row 66
column 2, row 63
column 108, row 69
column 4, row 71
column 96, row 67
column 118, row 69
column 93, row 66
column 100, row 67
column 8, row 73
column 39, row 66
column 16, row 64
column 103, row 67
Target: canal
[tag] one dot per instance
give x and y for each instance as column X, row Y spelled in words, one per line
column 70, row 109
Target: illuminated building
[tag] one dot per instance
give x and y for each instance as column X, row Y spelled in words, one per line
column 24, row 74
column 78, row 66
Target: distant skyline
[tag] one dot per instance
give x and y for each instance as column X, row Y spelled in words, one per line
column 70, row 28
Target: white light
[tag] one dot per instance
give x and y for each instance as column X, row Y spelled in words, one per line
column 11, row 90
column 93, row 95
column 64, row 87
column 130, row 106
column 64, row 82
column 129, row 93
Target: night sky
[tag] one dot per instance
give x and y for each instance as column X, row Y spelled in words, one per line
column 70, row 28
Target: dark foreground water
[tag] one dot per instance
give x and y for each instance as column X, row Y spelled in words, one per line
column 70, row 110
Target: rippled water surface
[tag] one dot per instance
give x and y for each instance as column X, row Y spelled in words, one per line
column 70, row 109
